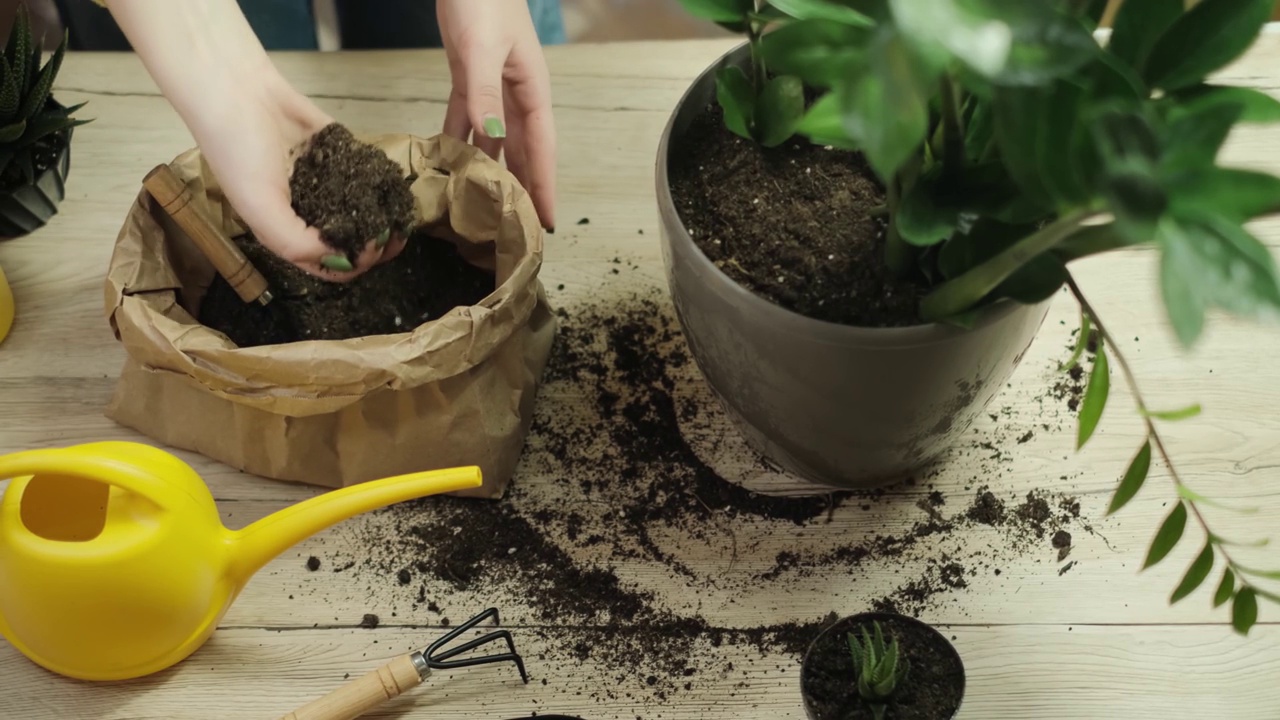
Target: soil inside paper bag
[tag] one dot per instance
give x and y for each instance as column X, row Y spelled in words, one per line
column 352, row 192
column 427, row 280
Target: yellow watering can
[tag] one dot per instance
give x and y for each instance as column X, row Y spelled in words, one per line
column 6, row 306
column 114, row 562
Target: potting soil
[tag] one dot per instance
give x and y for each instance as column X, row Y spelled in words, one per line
column 626, row 496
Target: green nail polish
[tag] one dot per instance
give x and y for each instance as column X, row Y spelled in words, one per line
column 494, row 128
column 384, row 238
column 336, row 262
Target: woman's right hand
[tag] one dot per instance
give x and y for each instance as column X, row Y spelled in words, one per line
column 247, row 120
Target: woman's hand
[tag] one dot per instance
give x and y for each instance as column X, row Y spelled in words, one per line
column 502, row 91
column 247, row 120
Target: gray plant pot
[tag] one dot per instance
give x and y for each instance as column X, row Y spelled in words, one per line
column 834, row 404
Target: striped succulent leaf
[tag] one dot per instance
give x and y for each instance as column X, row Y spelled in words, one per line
column 39, row 94
column 13, row 131
column 10, row 92
column 18, row 51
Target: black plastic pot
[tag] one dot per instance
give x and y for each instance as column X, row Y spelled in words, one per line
column 29, row 207
column 844, row 625
column 836, row 405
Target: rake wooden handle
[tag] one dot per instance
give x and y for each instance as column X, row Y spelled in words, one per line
column 173, row 195
column 365, row 693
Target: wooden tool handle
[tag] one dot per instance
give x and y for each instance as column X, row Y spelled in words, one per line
column 172, row 194
column 363, row 694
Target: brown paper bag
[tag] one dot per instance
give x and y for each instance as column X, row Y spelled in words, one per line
column 458, row 390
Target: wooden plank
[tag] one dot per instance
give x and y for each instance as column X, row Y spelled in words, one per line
column 1014, row 673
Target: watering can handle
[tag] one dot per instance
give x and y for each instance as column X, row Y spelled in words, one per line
column 84, row 463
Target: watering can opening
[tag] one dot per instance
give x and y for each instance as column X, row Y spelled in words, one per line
column 65, row 508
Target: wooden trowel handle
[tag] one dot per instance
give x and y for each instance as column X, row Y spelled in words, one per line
column 366, row 693
column 173, row 195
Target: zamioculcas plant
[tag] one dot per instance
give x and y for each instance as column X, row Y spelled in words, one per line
column 1010, row 142
column 880, row 668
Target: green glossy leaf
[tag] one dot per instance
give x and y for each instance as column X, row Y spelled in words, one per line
column 1244, row 610
column 1059, row 146
column 823, row 123
column 823, row 54
column 1226, row 588
column 886, row 110
column 1019, row 140
column 1235, row 195
column 1268, row 574
column 1167, row 536
column 719, row 10
column 779, row 110
column 946, row 28
column 1129, row 150
column 1207, row 261
column 1203, row 40
column 1133, row 479
column 1095, row 397
column 1257, row 106
column 1187, row 493
column 1173, row 415
column 1192, row 140
column 1036, row 281
column 822, row 10
column 1259, row 543
column 1196, row 575
column 979, row 130
column 1092, row 240
column 1137, row 27
column 737, row 100
column 925, row 217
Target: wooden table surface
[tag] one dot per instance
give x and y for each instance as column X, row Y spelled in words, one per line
column 1099, row 641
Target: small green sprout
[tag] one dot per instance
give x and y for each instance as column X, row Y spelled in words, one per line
column 880, row 668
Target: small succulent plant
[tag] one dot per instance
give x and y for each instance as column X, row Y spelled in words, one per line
column 879, row 667
column 26, row 115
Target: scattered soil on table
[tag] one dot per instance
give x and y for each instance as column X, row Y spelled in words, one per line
column 427, row 280
column 350, row 191
column 795, row 224
column 626, row 495
column 932, row 690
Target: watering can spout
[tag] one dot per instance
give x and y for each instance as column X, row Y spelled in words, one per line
column 261, row 542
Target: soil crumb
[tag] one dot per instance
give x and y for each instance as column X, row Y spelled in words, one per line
column 816, row 249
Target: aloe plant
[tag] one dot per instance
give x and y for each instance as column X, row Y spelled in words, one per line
column 880, row 668
column 26, row 115
column 1012, row 143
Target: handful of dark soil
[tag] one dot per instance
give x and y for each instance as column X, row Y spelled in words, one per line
column 350, row 191
column 353, row 193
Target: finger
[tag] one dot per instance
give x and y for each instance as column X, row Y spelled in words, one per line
column 456, row 122
column 530, row 96
column 394, row 248
column 278, row 228
column 482, row 66
column 513, row 149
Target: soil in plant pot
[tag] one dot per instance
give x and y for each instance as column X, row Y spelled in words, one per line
column 932, row 690
column 795, row 224
column 351, row 192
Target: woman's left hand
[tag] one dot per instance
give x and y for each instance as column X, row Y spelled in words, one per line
column 502, row 91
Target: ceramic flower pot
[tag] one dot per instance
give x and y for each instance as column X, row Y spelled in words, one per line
column 933, row 687
column 835, row 404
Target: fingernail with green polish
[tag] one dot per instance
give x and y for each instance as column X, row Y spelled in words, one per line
column 494, row 128
column 337, row 262
column 384, row 238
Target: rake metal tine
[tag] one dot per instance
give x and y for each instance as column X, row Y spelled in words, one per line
column 441, row 659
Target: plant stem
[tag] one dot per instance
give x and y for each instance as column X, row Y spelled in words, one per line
column 897, row 254
column 1154, row 435
column 952, row 132
column 959, row 294
column 759, row 73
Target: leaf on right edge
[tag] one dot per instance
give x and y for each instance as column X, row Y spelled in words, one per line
column 1133, row 479
column 718, row 10
column 1167, row 536
column 1095, row 397
column 1137, row 27
column 822, row 10
column 1196, row 574
column 1202, row 41
column 1226, row 588
column 1173, row 415
column 1244, row 611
